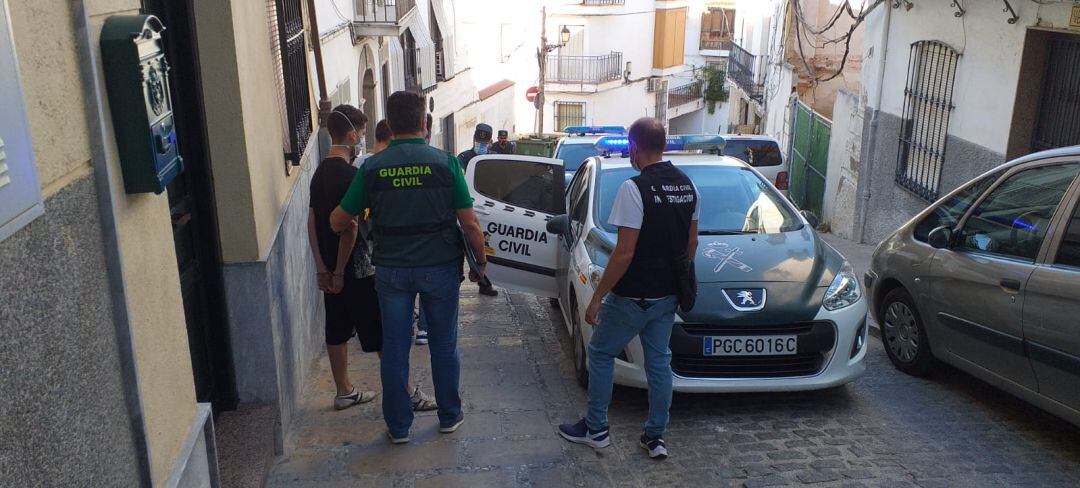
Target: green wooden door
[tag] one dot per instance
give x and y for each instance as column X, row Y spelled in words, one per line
column 809, row 158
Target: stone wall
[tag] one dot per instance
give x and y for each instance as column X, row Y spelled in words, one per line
column 276, row 311
column 842, row 176
column 62, row 396
column 883, row 205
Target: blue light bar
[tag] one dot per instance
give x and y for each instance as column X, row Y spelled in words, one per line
column 704, row 142
column 611, row 144
column 588, row 129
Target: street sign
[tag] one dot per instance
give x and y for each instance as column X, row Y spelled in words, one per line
column 1074, row 21
column 538, row 101
column 530, row 94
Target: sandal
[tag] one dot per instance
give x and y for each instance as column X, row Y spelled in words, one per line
column 421, row 402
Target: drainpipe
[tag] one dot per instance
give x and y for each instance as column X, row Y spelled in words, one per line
column 866, row 172
column 320, row 74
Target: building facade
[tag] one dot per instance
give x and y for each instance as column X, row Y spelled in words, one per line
column 954, row 92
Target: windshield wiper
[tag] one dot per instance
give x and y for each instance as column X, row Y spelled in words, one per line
column 725, row 232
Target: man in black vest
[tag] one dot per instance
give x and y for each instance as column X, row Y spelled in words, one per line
column 481, row 147
column 656, row 213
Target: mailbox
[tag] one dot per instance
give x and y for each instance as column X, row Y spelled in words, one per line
column 136, row 77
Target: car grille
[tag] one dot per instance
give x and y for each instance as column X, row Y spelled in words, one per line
column 691, row 366
column 816, row 343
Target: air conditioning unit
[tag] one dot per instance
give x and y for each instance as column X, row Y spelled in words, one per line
column 655, row 84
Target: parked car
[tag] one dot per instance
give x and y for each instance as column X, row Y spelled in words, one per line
column 761, row 152
column 988, row 279
column 580, row 144
column 777, row 309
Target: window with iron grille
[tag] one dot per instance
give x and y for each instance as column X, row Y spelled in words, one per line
column 289, row 51
column 927, row 107
column 569, row 114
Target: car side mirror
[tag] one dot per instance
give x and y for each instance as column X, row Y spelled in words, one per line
column 559, row 225
column 940, row 237
column 810, row 218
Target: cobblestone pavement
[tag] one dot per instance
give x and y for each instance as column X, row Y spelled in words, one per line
column 887, row 429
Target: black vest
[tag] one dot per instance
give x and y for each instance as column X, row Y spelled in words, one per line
column 668, row 199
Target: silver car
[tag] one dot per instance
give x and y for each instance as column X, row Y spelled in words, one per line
column 987, row 279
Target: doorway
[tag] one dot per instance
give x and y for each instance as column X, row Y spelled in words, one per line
column 1046, row 111
column 369, row 107
column 194, row 219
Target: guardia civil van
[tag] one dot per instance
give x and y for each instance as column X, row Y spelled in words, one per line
column 778, row 309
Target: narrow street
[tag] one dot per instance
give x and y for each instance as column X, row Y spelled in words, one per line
column 887, row 429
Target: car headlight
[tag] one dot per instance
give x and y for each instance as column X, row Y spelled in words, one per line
column 844, row 290
column 595, row 273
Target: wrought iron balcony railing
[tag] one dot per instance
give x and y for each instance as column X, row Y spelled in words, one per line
column 603, row 2
column 714, row 41
column 685, row 94
column 382, row 11
column 747, row 71
column 584, row 69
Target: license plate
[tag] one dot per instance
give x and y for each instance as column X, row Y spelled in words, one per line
column 751, row 345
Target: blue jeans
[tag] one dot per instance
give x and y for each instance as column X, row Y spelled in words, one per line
column 620, row 320
column 438, row 289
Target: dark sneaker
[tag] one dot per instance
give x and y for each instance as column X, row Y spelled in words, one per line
column 421, row 337
column 581, row 434
column 356, row 397
column 397, row 440
column 453, row 426
column 489, row 291
column 655, row 446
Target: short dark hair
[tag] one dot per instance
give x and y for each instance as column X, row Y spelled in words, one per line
column 648, row 134
column 343, row 119
column 382, row 131
column 405, row 112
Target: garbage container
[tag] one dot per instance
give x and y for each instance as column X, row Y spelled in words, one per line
column 542, row 146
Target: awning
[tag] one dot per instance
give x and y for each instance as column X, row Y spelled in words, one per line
column 446, row 28
column 397, row 64
column 425, row 51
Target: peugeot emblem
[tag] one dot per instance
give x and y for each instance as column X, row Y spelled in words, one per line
column 745, row 299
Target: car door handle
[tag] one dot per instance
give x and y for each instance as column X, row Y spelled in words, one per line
column 1010, row 284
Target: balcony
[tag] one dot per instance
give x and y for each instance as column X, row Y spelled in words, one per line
column 382, row 17
column 747, row 71
column 685, row 99
column 584, row 70
column 715, row 41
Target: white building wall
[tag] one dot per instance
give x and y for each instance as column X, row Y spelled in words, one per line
column 842, row 174
column 986, row 76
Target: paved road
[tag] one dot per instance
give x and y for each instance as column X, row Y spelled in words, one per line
column 887, row 429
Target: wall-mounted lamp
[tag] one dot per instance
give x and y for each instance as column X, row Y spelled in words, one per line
column 564, row 35
column 626, row 73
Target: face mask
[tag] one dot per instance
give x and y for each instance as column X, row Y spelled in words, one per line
column 481, row 148
column 355, row 150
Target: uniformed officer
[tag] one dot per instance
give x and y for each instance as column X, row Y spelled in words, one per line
column 502, row 144
column 417, row 196
column 656, row 213
column 481, row 146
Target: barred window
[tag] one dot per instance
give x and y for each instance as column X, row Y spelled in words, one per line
column 289, row 50
column 927, row 106
column 569, row 114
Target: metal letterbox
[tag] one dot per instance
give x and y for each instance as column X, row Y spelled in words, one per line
column 136, row 76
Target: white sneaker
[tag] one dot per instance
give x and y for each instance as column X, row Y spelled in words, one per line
column 341, row 402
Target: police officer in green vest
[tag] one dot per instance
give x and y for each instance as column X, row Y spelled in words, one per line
column 417, row 195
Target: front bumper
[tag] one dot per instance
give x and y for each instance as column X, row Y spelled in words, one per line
column 839, row 367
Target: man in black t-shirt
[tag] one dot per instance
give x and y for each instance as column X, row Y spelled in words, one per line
column 481, row 146
column 344, row 270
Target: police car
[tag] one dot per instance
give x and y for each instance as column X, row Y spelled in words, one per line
column 778, row 309
column 580, row 144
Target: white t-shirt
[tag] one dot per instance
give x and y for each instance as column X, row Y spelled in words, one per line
column 628, row 210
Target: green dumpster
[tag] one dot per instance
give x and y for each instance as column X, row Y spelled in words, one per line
column 542, row 146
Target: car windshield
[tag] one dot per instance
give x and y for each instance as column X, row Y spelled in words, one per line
column 756, row 153
column 572, row 155
column 734, row 201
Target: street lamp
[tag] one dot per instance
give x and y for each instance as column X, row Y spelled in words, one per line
column 564, row 35
column 626, row 74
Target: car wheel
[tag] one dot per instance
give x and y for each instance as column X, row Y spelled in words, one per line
column 904, row 335
column 581, row 369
